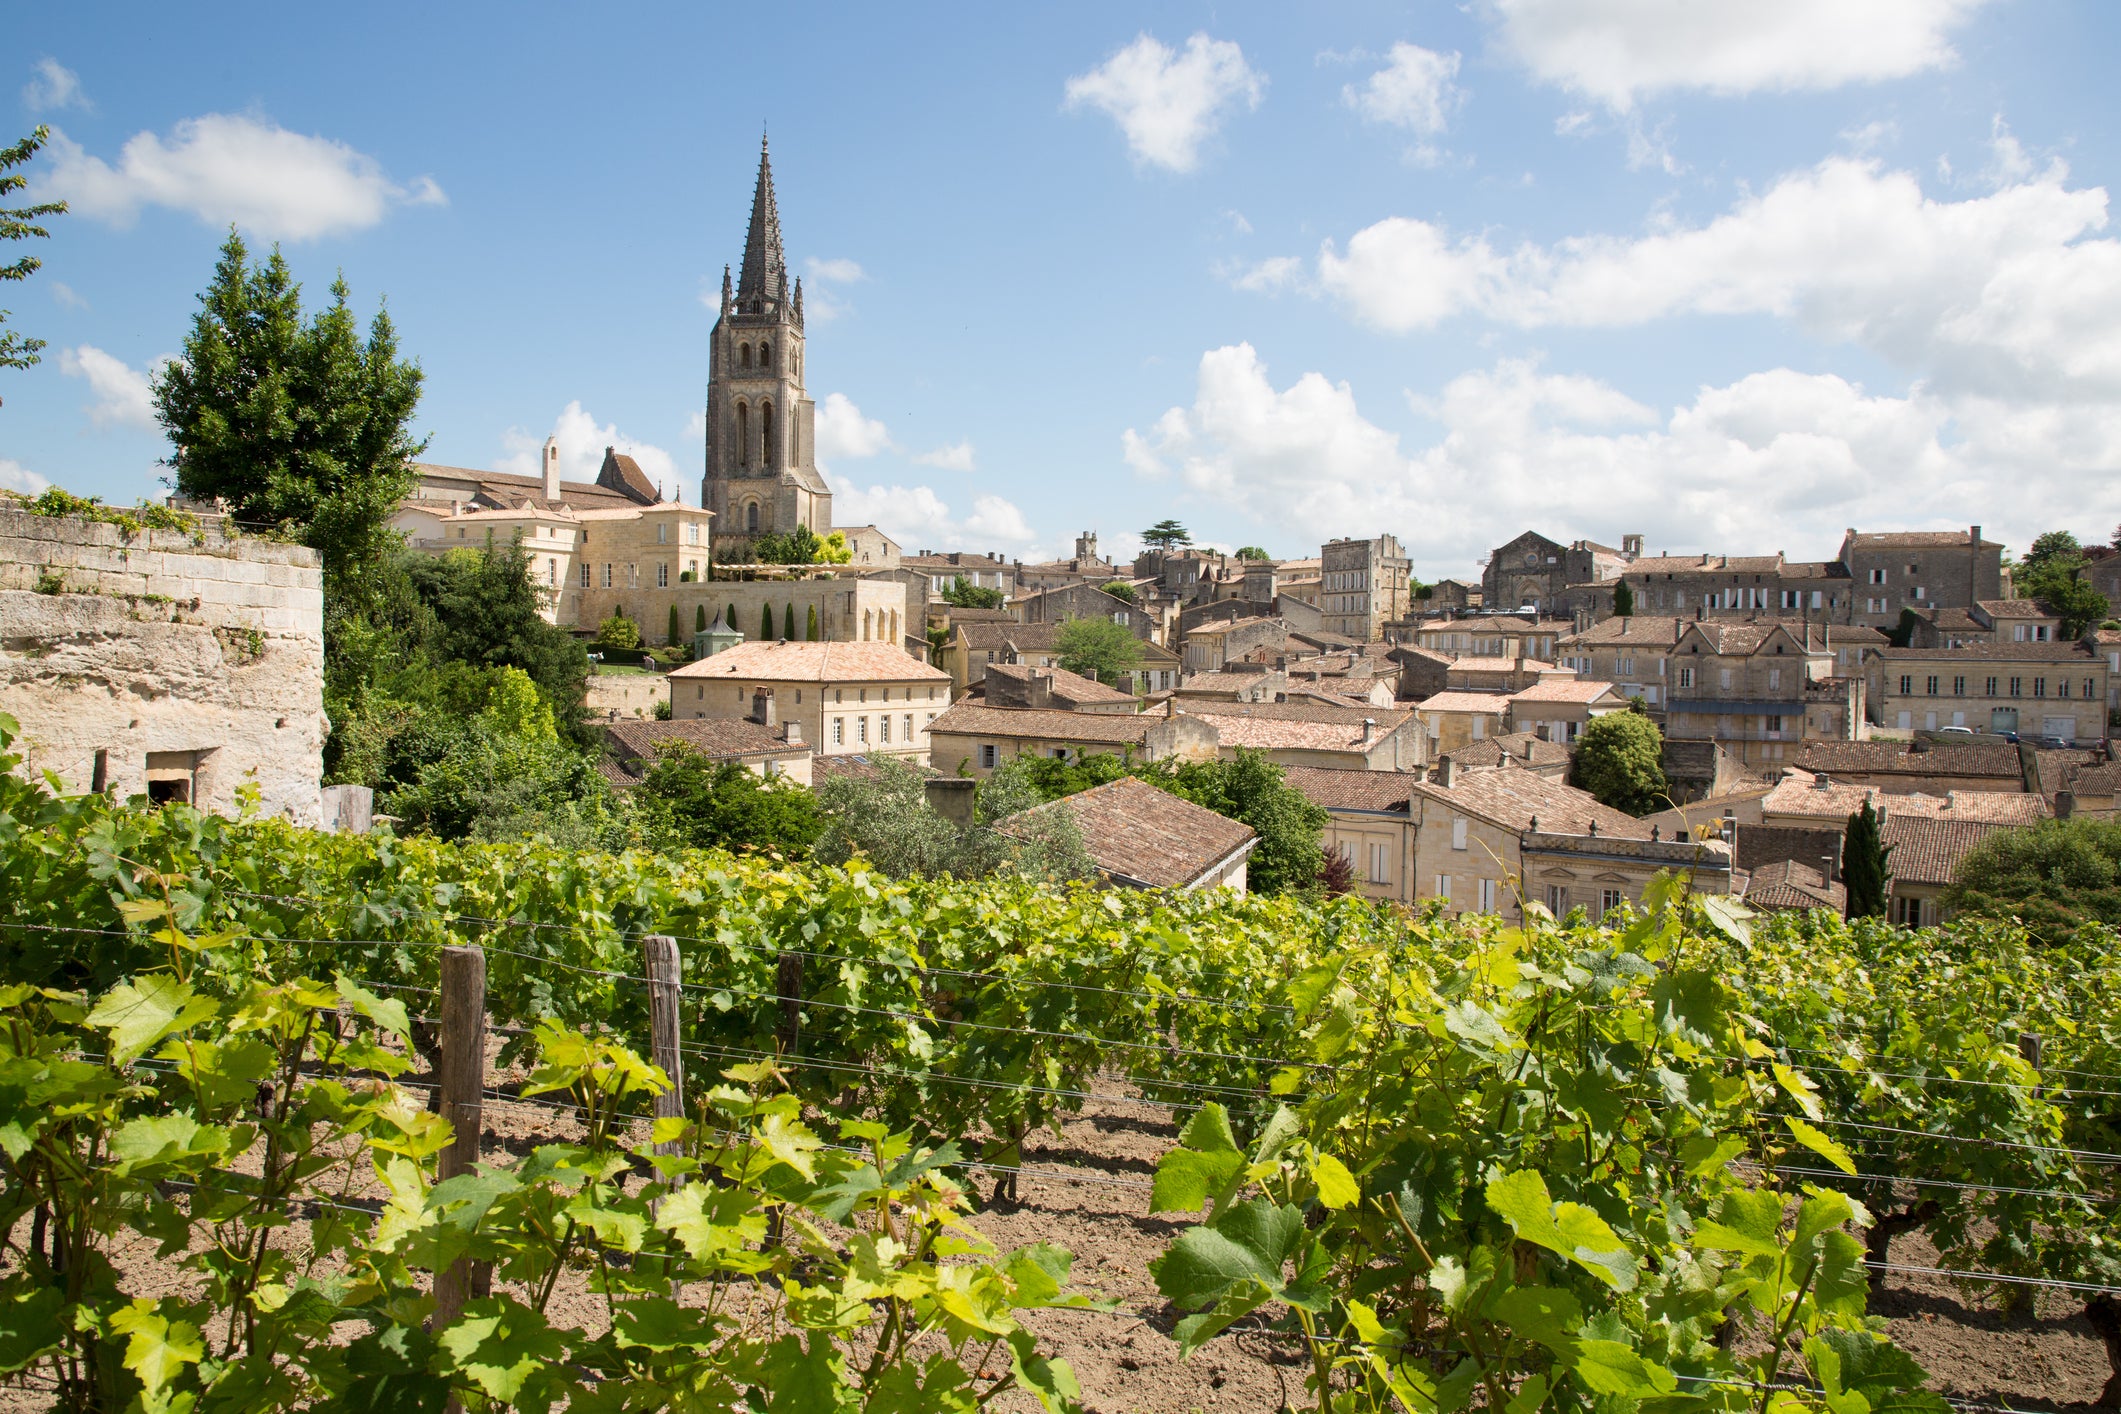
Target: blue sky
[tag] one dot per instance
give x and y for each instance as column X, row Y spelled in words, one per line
column 1734, row 276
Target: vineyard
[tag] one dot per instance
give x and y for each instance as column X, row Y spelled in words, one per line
column 1413, row 1163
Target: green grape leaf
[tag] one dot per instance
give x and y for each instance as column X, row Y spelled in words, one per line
column 1251, row 1241
column 1546, row 1314
column 164, row 1141
column 1186, row 1179
column 711, row 1221
column 799, row 1379
column 658, row 1323
column 1050, row 1381
column 140, row 1013
column 1802, row 1089
column 1609, row 1367
column 156, row 1349
column 499, row 1343
column 1239, row 1299
column 29, row 1326
column 1820, row 1143
column 1337, row 1187
column 387, row 1013
column 1569, row 1229
column 1703, row 1154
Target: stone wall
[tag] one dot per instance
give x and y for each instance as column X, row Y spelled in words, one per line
column 164, row 664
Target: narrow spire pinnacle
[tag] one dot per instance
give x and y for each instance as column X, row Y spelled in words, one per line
column 764, row 275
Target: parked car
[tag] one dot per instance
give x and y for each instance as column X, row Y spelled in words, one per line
column 2061, row 742
column 1955, row 731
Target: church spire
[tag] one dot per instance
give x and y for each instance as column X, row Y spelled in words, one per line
column 765, row 270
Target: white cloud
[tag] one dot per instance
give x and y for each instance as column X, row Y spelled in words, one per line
column 921, row 520
column 956, row 456
column 842, row 431
column 2008, row 161
column 1169, row 102
column 582, row 444
column 225, row 168
column 54, row 86
column 1275, row 273
column 1792, row 455
column 66, row 294
column 1617, row 52
column 838, row 272
column 17, row 477
column 1415, row 89
column 2002, row 293
column 121, row 391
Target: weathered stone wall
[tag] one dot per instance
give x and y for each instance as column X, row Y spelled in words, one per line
column 196, row 663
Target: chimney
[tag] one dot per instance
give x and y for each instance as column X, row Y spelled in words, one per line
column 1038, row 689
column 954, row 798
column 1973, row 535
column 1446, row 772
column 1820, row 782
column 551, row 467
column 1624, row 627
column 1369, row 729
column 792, row 732
column 762, row 707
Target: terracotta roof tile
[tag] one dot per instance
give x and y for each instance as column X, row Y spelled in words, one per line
column 1352, row 790
column 1487, row 753
column 1147, row 836
column 1493, row 703
column 1800, row 793
column 1066, row 686
column 1023, row 638
column 813, row 662
column 1929, row 851
column 1566, row 690
column 1514, row 799
column 1915, row 539
column 717, row 737
column 1042, row 724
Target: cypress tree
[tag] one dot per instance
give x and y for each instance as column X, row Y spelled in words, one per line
column 699, row 619
column 673, row 624
column 765, row 623
column 810, row 628
column 1864, row 866
column 1623, row 601
column 730, row 617
column 788, row 622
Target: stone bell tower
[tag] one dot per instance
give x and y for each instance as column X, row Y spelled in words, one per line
column 762, row 475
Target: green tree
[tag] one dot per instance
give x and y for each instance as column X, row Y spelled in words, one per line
column 1865, row 864
column 618, row 634
column 489, row 611
column 301, row 426
column 885, row 817
column 1099, row 649
column 1166, row 535
column 2058, row 878
column 725, row 806
column 800, row 546
column 19, row 223
column 1623, row 600
column 788, row 623
column 1901, row 634
column 962, row 594
column 1252, row 552
column 1120, row 589
column 2054, row 545
column 730, row 617
column 1253, row 789
column 699, row 619
column 810, row 624
column 2053, row 573
column 765, row 623
column 1620, row 760
column 673, row 638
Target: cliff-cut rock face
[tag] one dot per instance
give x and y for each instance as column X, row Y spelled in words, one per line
column 167, row 664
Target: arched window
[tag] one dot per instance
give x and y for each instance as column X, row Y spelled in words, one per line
column 766, row 448
column 743, row 435
column 766, row 355
column 751, row 515
column 744, row 356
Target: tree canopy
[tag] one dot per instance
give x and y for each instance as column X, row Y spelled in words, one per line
column 19, row 223
column 303, row 426
column 1252, row 552
column 2059, row 877
column 1623, row 600
column 1119, row 589
column 1166, row 535
column 1865, row 864
column 1099, row 649
column 963, row 594
column 1620, row 760
column 712, row 805
column 2053, row 573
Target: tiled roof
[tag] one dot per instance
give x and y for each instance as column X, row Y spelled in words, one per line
column 1287, row 734
column 1798, row 793
column 2106, row 635
column 1995, row 652
column 1730, row 638
column 1146, row 835
column 1042, row 724
column 954, row 560
column 2096, row 780
column 511, row 489
column 1306, row 711
column 1929, row 851
column 1489, row 751
column 1224, row 626
column 1493, row 703
column 1643, row 629
column 979, row 616
column 627, row 472
column 2016, row 609
column 1224, row 681
column 1840, row 635
column 1894, row 758
column 1762, row 845
column 858, row 766
column 616, row 773
column 1352, row 790
column 1041, row 638
column 813, row 662
column 1329, row 699
column 1565, row 690
column 717, row 737
column 1787, row 884
column 1918, row 539
column 1514, row 799
column 1471, row 664
column 1955, row 621
column 1067, row 686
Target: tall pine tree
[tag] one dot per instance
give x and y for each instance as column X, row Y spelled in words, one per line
column 810, row 628
column 765, row 623
column 788, row 623
column 1623, row 601
column 1864, row 865
column 301, row 425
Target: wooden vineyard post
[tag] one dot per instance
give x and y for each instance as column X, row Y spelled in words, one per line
column 789, row 986
column 462, row 1076
column 666, row 990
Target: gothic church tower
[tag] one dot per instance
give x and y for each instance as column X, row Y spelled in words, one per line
column 762, row 474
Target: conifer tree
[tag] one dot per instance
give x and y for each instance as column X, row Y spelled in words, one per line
column 1864, row 865
column 1623, row 600
column 788, row 623
column 765, row 623
column 699, row 619
column 810, row 628
column 730, row 616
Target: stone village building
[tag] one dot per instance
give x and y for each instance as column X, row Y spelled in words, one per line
column 178, row 666
column 870, row 699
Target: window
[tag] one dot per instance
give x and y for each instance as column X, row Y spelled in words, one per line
column 861, row 730
column 2015, row 687
column 988, row 754
column 1608, row 900
column 1877, row 576
column 1558, row 899
column 585, row 576
column 1958, row 687
column 1774, row 675
column 909, row 726
column 883, row 729
column 1443, row 887
column 2039, row 687
column 2088, row 689
column 751, row 515
column 1774, row 723
column 1990, row 689
column 607, row 576
column 662, row 576
column 692, row 533
column 1930, row 685
column 1487, row 895
column 1686, row 677
column 1458, row 832
column 1907, row 684
column 552, row 573
column 662, row 532
column 1723, row 678
column 839, row 731
column 1380, row 864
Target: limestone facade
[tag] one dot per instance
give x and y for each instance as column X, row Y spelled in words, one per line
column 165, row 665
column 1364, row 586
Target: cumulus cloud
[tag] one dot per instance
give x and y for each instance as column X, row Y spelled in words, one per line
column 956, row 456
column 1618, row 52
column 582, row 444
column 121, row 396
column 2007, row 293
column 839, row 272
column 63, row 293
column 1168, row 102
column 919, row 519
column 17, row 477
column 53, row 85
column 1269, row 276
column 842, row 431
column 233, row 168
column 1415, row 89
column 1807, row 454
